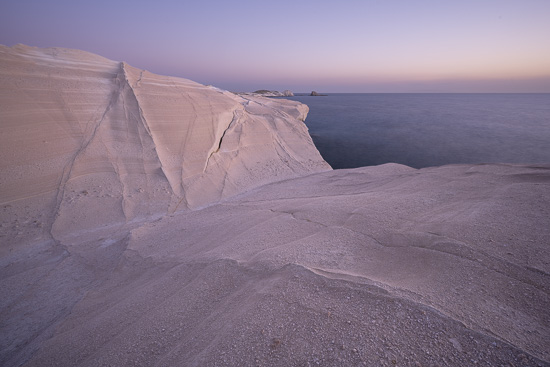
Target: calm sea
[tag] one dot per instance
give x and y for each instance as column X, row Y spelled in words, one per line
column 421, row 130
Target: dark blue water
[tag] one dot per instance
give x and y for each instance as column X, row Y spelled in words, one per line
column 421, row 130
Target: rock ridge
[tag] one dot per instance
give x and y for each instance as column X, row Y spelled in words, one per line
column 140, row 143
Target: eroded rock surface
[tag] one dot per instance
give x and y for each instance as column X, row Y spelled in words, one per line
column 88, row 141
column 379, row 266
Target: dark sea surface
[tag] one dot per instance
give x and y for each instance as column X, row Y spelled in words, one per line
column 421, row 130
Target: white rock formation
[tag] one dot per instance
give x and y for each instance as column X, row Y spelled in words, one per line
column 80, row 131
column 388, row 265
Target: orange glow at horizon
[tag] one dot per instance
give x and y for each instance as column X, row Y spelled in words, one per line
column 287, row 44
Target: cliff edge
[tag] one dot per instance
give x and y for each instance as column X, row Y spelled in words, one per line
column 87, row 141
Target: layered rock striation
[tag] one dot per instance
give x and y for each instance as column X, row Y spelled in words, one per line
column 149, row 220
column 80, row 131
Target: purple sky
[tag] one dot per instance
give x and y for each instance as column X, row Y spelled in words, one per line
column 328, row 46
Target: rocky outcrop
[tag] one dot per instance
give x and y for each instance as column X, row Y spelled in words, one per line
column 268, row 93
column 112, row 143
column 101, row 264
column 265, row 92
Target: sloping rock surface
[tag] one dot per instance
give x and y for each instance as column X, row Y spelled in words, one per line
column 80, row 131
column 382, row 266
column 379, row 266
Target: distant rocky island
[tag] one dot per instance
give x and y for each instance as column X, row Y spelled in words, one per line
column 267, row 93
column 275, row 93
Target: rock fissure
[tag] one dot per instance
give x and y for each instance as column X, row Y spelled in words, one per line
column 218, row 141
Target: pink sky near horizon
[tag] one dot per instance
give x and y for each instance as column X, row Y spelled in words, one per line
column 348, row 46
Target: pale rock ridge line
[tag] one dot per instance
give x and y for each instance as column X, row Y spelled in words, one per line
column 431, row 241
column 173, row 186
column 118, row 99
column 388, row 289
column 420, row 299
column 67, row 170
column 182, row 174
column 428, row 241
column 114, row 161
column 89, row 134
column 452, row 247
column 402, row 295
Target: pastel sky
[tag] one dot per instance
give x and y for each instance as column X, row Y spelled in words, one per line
column 304, row 45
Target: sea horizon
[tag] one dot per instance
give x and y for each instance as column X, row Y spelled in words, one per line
column 429, row 129
column 157, row 210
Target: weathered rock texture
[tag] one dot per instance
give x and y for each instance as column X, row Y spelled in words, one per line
column 377, row 266
column 80, row 131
